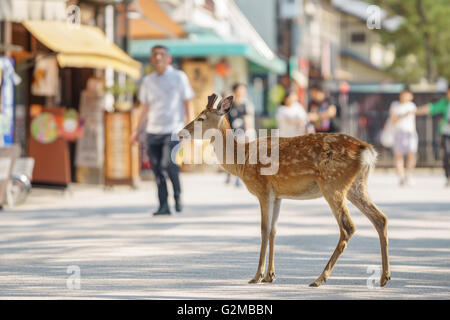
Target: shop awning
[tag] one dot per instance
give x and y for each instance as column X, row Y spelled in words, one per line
column 82, row 46
column 153, row 22
column 204, row 45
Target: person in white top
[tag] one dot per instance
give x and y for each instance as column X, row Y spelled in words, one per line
column 402, row 116
column 166, row 98
column 292, row 118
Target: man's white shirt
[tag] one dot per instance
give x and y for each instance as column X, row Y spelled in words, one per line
column 165, row 94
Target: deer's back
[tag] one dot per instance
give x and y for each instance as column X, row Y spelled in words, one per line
column 305, row 161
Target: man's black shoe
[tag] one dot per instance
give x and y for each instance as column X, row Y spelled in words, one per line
column 163, row 210
column 178, row 204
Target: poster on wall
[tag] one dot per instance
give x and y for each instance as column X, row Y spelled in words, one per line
column 45, row 76
column 8, row 79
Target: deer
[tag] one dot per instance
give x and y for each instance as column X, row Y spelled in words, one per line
column 331, row 165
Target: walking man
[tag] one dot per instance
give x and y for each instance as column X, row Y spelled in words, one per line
column 442, row 107
column 166, row 98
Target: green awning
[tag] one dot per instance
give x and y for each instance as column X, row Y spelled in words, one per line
column 376, row 87
column 204, row 45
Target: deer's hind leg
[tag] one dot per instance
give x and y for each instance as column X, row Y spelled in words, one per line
column 336, row 200
column 358, row 195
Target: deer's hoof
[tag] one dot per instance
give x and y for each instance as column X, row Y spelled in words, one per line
column 270, row 277
column 384, row 279
column 317, row 283
column 256, row 279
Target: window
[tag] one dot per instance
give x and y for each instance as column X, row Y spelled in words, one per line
column 358, row 37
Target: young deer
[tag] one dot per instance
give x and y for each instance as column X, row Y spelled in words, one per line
column 335, row 166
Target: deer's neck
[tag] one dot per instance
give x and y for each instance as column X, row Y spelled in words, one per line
column 229, row 148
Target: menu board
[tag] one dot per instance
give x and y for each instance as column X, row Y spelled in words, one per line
column 121, row 158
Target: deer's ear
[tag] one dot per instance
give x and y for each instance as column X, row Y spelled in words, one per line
column 225, row 105
column 211, row 100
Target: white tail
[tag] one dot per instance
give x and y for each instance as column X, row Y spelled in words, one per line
column 369, row 157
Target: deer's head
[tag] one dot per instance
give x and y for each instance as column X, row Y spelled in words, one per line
column 210, row 118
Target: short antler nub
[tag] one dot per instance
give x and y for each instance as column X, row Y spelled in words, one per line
column 211, row 100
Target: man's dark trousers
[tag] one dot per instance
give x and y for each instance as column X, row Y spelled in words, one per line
column 159, row 148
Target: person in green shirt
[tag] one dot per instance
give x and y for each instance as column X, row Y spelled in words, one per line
column 441, row 106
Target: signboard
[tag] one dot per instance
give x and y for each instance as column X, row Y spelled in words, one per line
column 52, row 160
column 90, row 147
column 44, row 128
column 201, row 78
column 121, row 157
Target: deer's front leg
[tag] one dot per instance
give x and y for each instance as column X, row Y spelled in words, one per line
column 266, row 210
column 270, row 276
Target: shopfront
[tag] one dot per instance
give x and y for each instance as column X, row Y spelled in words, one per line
column 213, row 65
column 60, row 103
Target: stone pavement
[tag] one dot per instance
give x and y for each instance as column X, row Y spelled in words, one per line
column 211, row 250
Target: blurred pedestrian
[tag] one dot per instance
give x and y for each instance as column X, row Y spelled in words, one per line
column 292, row 118
column 402, row 116
column 322, row 112
column 277, row 93
column 241, row 118
column 442, row 107
column 166, row 98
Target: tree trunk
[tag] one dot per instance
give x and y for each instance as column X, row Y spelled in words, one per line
column 431, row 76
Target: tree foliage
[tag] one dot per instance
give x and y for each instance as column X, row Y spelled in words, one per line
column 422, row 42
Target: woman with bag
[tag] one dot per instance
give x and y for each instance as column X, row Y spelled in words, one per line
column 405, row 140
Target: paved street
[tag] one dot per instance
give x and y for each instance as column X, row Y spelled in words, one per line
column 211, row 250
